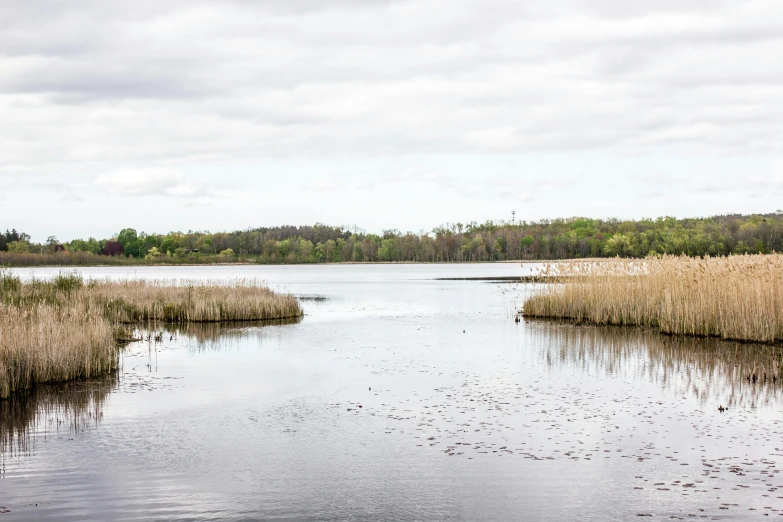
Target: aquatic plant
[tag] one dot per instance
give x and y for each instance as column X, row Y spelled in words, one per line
column 48, row 343
column 736, row 297
column 191, row 301
column 67, row 328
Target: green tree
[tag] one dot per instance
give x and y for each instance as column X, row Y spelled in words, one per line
column 19, row 247
column 168, row 246
column 526, row 243
column 358, row 252
column 620, row 245
column 388, row 250
column 329, row 248
column 283, row 248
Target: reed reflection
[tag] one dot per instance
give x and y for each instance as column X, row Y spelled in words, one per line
column 738, row 374
column 201, row 337
column 46, row 410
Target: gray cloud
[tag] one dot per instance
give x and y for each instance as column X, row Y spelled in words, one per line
column 150, row 83
column 151, row 182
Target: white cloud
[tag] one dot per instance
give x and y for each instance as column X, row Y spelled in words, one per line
column 214, row 81
column 149, row 182
column 425, row 99
column 323, row 185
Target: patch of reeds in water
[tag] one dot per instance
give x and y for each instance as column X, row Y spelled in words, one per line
column 67, row 328
column 193, row 302
column 738, row 297
column 44, row 342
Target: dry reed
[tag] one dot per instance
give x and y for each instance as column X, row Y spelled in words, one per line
column 738, row 297
column 65, row 328
column 46, row 343
column 243, row 300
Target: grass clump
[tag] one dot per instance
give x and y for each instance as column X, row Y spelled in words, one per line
column 46, row 342
column 738, row 297
column 131, row 302
column 67, row 328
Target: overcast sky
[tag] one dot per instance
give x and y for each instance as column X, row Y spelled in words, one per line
column 231, row 114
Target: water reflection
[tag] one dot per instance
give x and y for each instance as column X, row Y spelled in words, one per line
column 76, row 406
column 200, row 337
column 739, row 374
column 70, row 408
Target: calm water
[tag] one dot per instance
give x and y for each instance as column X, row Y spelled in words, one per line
column 399, row 397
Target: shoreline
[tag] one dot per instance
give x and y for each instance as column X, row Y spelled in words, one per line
column 341, row 263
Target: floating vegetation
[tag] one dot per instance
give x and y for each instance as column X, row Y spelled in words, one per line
column 66, row 328
column 315, row 298
column 737, row 297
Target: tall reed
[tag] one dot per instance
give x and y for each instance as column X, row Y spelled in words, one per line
column 67, row 328
column 49, row 343
column 737, row 297
column 242, row 300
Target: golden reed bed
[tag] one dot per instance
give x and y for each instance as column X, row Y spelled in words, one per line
column 737, row 297
column 66, row 328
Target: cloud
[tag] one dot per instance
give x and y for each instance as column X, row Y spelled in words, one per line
column 150, row 182
column 399, row 99
column 215, row 81
column 424, row 176
column 323, row 185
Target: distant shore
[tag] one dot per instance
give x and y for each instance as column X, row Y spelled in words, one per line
column 141, row 263
column 48, row 262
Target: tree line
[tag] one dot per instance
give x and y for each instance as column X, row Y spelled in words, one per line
column 570, row 238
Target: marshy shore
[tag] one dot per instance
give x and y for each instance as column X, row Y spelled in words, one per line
column 738, row 297
column 67, row 328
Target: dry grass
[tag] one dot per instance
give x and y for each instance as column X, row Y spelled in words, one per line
column 49, row 343
column 738, row 297
column 244, row 300
column 65, row 328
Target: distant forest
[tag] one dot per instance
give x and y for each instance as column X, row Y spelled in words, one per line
column 490, row 241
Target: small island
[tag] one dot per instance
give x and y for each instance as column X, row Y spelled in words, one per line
column 68, row 328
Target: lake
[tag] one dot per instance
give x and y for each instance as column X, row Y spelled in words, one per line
column 400, row 396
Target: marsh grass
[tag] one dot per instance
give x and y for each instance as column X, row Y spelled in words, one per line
column 48, row 343
column 738, row 297
column 67, row 328
column 193, row 302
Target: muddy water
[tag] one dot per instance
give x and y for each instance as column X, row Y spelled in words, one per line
column 399, row 397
